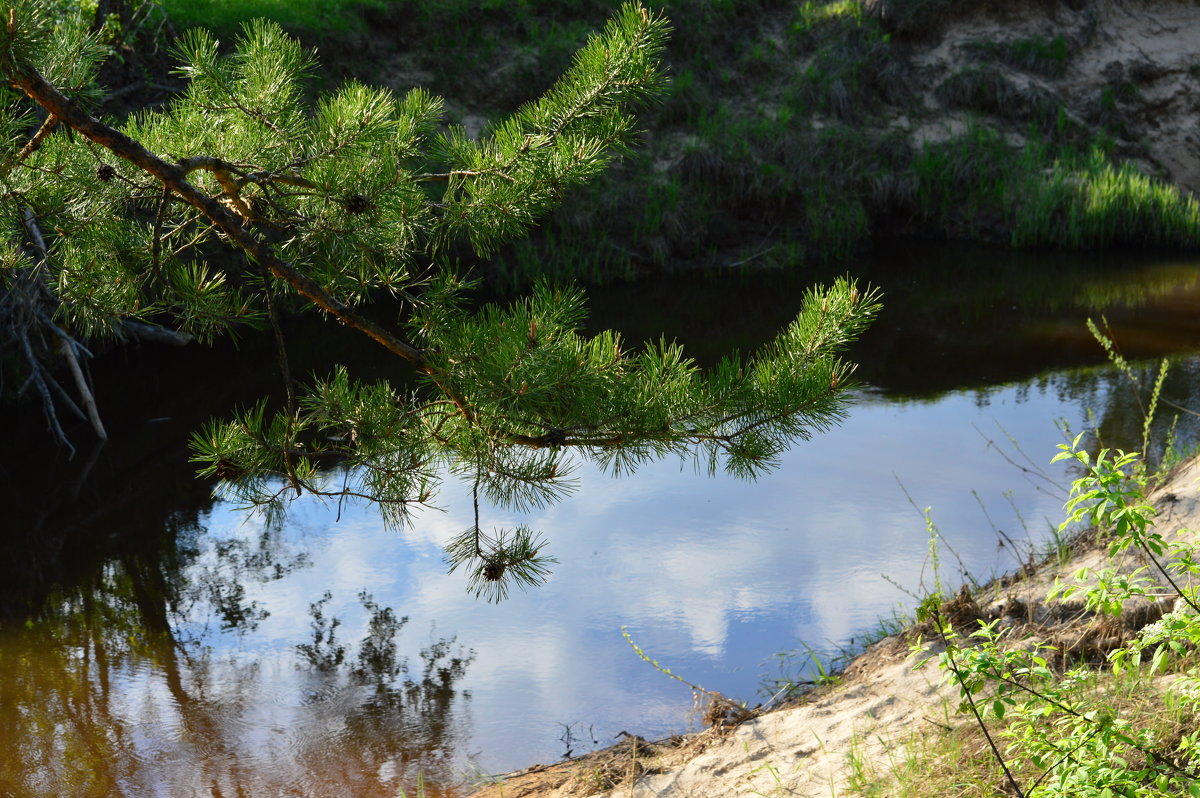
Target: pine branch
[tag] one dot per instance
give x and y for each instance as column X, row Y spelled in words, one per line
column 173, row 177
column 326, row 202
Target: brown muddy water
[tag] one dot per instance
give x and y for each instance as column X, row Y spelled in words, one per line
column 154, row 642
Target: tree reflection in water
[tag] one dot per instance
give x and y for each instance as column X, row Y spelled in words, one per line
column 102, row 693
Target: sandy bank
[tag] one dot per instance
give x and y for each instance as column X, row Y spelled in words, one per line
column 1132, row 69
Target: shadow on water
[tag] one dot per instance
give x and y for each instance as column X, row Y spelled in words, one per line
column 954, row 317
column 111, row 591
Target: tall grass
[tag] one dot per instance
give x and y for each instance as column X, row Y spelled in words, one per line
column 1039, row 195
column 1088, row 202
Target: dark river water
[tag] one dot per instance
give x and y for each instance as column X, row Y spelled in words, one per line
column 154, row 642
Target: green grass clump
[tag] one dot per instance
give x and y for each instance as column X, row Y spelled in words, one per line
column 1040, row 195
column 961, row 182
column 812, row 13
column 226, row 16
column 1038, row 54
column 851, row 69
column 1088, row 202
column 988, row 91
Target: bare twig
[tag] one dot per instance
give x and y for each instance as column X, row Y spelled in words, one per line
column 67, row 346
column 126, row 90
column 61, row 393
column 35, row 367
column 89, row 401
column 153, row 332
column 35, row 231
column 952, row 663
column 285, row 372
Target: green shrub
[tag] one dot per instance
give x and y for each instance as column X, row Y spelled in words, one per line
column 1076, row 732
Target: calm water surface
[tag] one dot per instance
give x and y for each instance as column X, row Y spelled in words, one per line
column 153, row 642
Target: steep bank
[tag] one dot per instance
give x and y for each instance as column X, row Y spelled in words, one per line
column 878, row 712
column 801, row 131
column 1127, row 69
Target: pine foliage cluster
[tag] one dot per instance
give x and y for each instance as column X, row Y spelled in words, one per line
column 242, row 199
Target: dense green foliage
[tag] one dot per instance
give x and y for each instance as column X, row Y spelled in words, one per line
column 1063, row 731
column 241, row 198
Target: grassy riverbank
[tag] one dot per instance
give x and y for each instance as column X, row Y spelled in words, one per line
column 796, row 132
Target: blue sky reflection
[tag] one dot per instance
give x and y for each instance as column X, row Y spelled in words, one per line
column 712, row 576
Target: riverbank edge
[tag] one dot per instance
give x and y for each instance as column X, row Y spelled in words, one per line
column 881, row 700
